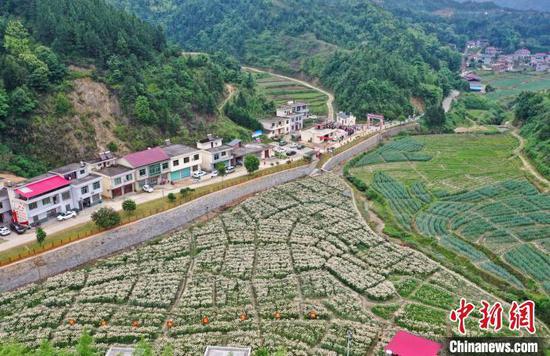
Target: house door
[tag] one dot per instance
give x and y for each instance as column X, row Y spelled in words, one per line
column 117, row 192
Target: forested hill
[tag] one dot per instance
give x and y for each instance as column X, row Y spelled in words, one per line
column 78, row 76
column 539, row 5
column 373, row 61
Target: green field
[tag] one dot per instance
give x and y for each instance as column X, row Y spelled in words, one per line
column 509, row 85
column 281, row 91
column 470, row 195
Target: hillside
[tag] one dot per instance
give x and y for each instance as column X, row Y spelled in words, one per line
column 372, row 60
column 521, row 4
column 79, row 76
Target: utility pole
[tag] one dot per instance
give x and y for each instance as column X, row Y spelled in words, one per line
column 350, row 337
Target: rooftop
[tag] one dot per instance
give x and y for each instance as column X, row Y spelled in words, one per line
column 219, row 148
column 226, row 351
column 247, row 149
column 68, row 168
column 210, row 138
column 89, row 178
column 40, row 187
column 407, row 344
column 178, row 150
column 146, row 157
column 114, row 171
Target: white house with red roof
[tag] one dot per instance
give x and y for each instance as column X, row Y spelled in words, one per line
column 151, row 166
column 40, row 199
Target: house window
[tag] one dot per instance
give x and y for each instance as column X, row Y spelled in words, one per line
column 33, row 206
column 216, row 156
column 165, row 166
column 142, row 172
column 195, row 168
column 82, row 171
column 176, row 163
column 66, row 196
column 272, row 124
column 186, row 160
column 154, row 170
column 84, row 190
column 195, row 157
column 46, row 201
column 129, row 177
column 96, row 185
column 118, row 181
column 224, row 153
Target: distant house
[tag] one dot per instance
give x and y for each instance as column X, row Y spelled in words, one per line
column 213, row 151
column 476, row 86
column 407, row 344
column 492, row 51
column 319, row 134
column 151, row 165
column 104, row 159
column 276, row 126
column 259, row 150
column 289, row 119
column 471, row 77
column 184, row 160
column 345, row 119
column 522, row 54
column 86, row 187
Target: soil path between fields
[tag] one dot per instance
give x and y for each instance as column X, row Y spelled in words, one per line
column 330, row 100
column 527, row 166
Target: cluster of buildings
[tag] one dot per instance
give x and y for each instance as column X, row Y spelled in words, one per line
column 82, row 185
column 479, row 52
column 288, row 120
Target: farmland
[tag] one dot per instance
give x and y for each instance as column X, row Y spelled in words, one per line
column 509, row 85
column 281, row 91
column 472, row 198
column 294, row 267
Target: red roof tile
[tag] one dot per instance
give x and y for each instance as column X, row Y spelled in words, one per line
column 146, row 157
column 42, row 186
column 407, row 344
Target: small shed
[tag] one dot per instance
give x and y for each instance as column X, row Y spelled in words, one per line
column 407, row 344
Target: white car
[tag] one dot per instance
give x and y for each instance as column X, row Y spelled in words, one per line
column 66, row 215
column 230, row 169
column 147, row 188
column 278, row 149
column 214, row 173
column 4, row 231
column 199, row 174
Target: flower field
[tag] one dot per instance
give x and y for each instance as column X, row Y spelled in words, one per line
column 294, row 267
column 509, row 217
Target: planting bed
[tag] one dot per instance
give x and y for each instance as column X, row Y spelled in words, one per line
column 257, row 272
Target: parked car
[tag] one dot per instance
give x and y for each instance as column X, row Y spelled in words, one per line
column 282, row 143
column 229, row 169
column 199, row 174
column 214, row 173
column 19, row 228
column 147, row 188
column 4, row 231
column 66, row 215
column 279, row 149
column 291, row 153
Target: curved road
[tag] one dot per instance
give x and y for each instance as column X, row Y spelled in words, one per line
column 330, row 100
column 526, row 163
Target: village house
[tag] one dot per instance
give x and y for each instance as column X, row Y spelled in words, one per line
column 492, row 51
column 289, row 119
column 104, row 159
column 5, row 207
column 345, row 119
column 522, row 54
column 151, row 166
column 40, row 199
column 320, row 134
column 184, row 160
column 276, row 126
column 86, row 189
column 240, row 151
column 213, row 151
column 117, row 181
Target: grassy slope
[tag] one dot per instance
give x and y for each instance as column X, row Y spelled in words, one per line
column 459, row 162
column 509, row 85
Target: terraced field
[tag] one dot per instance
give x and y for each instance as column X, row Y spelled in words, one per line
column 469, row 196
column 295, row 267
column 281, row 91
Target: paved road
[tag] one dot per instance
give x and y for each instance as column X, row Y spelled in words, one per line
column 80, row 252
column 330, row 100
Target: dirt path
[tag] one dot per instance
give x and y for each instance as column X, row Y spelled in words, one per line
column 330, row 101
column 527, row 166
column 448, row 101
column 231, row 90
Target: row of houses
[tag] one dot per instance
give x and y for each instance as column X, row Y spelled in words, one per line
column 82, row 185
column 494, row 59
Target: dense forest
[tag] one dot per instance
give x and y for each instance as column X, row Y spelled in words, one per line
column 161, row 93
column 532, row 111
column 539, row 5
column 373, row 61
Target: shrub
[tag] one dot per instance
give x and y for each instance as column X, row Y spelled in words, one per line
column 129, row 206
column 40, row 235
column 171, row 197
column 252, row 163
column 106, row 218
column 184, row 192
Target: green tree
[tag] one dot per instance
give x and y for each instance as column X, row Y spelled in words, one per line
column 184, row 192
column 16, row 38
column 106, row 218
column 252, row 163
column 113, row 147
column 129, row 206
column 435, row 116
column 172, row 197
column 143, row 110
column 4, row 106
column 63, row 105
column 143, row 348
column 86, row 346
column 22, row 101
column 220, row 167
column 40, row 236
